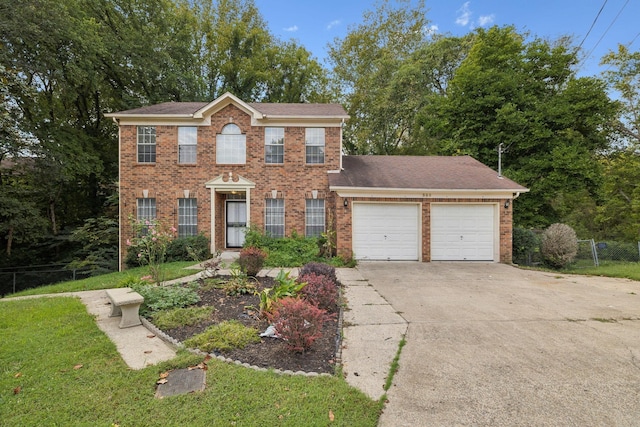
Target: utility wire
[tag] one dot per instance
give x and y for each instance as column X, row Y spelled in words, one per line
column 593, row 24
column 588, row 55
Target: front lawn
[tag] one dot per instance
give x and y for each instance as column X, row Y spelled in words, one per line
column 58, row 368
column 622, row 269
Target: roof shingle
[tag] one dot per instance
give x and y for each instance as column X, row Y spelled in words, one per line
column 419, row 172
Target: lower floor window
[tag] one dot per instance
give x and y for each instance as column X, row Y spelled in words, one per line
column 146, row 209
column 187, row 217
column 314, row 217
column 274, row 217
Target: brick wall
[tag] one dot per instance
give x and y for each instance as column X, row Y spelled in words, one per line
column 166, row 180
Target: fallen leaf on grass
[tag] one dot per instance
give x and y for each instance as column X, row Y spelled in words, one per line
column 18, row 375
column 162, row 381
column 331, row 416
column 17, row 390
column 164, row 375
column 78, row 366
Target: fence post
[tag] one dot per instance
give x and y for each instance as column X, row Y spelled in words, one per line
column 14, row 282
column 595, row 253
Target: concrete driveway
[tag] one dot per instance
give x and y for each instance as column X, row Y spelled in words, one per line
column 492, row 345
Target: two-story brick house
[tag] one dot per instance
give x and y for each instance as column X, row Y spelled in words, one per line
column 215, row 168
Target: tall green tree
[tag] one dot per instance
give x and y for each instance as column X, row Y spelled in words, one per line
column 365, row 62
column 524, row 96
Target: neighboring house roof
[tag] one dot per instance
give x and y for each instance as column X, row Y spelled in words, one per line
column 427, row 173
column 274, row 110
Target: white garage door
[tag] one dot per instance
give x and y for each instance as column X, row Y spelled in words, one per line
column 386, row 231
column 462, row 232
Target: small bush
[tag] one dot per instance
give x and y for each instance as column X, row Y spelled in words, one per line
column 285, row 287
column 239, row 284
column 251, row 260
column 320, row 291
column 176, row 317
column 227, row 335
column 192, row 248
column 319, row 269
column 157, row 298
column 559, row 245
column 298, row 322
column 525, row 243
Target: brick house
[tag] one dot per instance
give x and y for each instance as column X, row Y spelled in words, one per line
column 214, row 168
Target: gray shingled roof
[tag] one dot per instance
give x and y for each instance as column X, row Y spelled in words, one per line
column 270, row 109
column 419, row 172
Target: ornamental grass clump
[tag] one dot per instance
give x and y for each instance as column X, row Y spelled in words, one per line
column 559, row 245
column 251, row 260
column 298, row 322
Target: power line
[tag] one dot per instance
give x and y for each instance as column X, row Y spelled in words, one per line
column 605, row 32
column 593, row 24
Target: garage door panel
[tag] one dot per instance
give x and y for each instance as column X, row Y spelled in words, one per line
column 386, row 231
column 462, row 232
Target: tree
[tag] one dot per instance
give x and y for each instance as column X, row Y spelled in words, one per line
column 525, row 95
column 623, row 77
column 365, row 63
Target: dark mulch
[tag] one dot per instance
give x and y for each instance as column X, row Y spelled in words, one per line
column 270, row 352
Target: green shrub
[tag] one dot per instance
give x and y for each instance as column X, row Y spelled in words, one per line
column 251, row 260
column 239, row 284
column 224, row 336
column 525, row 243
column 559, row 245
column 157, row 298
column 192, row 248
column 298, row 322
column 285, row 287
column 184, row 316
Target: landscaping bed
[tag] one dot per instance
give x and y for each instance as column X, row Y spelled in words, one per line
column 268, row 352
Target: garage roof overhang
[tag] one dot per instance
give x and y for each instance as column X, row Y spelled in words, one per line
column 412, row 193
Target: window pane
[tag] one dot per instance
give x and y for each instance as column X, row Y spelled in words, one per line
column 274, row 217
column 187, row 217
column 187, row 144
column 231, row 147
column 146, row 209
column 314, row 216
column 146, row 144
column 314, row 141
column 274, row 145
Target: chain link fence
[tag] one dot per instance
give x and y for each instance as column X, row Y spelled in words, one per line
column 590, row 253
column 15, row 279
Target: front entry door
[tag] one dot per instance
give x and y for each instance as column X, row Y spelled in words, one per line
column 236, row 223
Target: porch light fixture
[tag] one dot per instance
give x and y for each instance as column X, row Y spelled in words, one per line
column 145, row 193
column 346, row 203
column 506, row 204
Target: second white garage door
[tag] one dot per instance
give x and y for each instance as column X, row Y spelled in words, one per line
column 462, row 232
column 386, row 231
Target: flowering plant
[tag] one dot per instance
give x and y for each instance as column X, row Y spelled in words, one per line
column 150, row 240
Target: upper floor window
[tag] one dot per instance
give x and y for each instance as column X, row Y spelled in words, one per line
column 231, row 146
column 187, row 144
column 314, row 141
column 146, row 144
column 274, row 145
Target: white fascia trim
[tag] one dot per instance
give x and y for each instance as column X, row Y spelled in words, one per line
column 224, row 100
column 153, row 120
column 422, row 193
column 325, row 122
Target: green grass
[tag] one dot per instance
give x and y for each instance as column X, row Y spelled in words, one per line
column 58, row 368
column 627, row 270
column 184, row 316
column 173, row 270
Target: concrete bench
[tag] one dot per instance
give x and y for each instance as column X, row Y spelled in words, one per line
column 125, row 302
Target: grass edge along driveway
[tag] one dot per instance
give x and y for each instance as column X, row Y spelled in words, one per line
column 58, row 368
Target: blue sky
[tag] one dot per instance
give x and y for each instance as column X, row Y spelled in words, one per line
column 316, row 23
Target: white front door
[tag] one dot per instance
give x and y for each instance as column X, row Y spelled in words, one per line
column 236, row 223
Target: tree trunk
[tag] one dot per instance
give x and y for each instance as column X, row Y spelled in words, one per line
column 9, row 241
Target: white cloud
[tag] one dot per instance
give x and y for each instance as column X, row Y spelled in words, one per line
column 291, row 29
column 431, row 30
column 333, row 24
column 485, row 20
column 464, row 15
